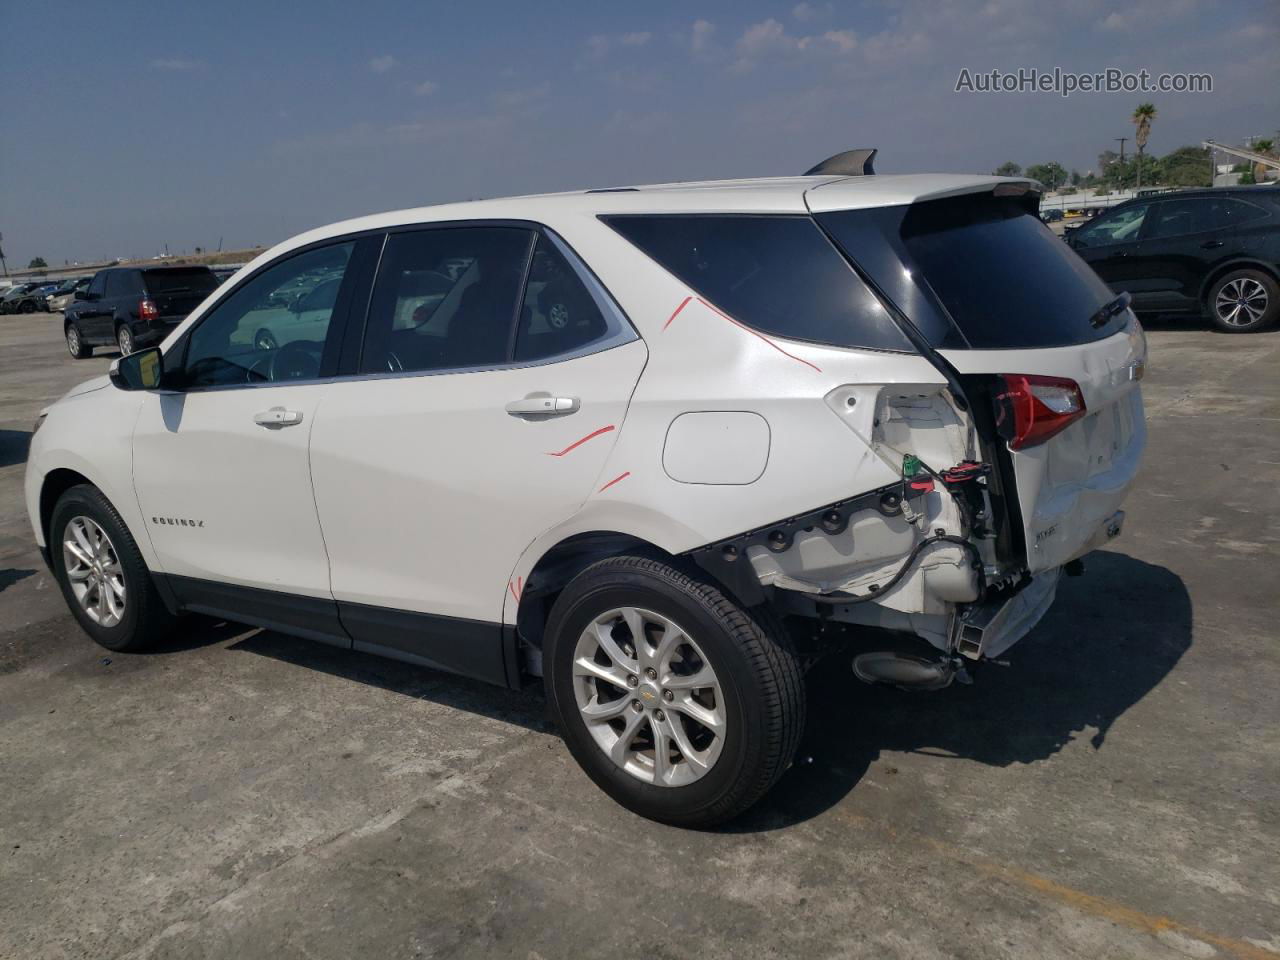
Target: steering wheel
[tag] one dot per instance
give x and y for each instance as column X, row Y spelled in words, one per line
column 393, row 363
column 296, row 360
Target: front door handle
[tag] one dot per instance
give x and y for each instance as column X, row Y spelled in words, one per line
column 1211, row 244
column 543, row 405
column 277, row 417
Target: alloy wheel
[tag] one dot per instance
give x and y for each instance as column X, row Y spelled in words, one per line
column 73, row 340
column 94, row 571
column 1241, row 302
column 649, row 697
column 125, row 341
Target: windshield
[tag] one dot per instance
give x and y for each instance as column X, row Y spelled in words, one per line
column 978, row 271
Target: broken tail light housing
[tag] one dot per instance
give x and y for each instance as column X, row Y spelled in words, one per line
column 1030, row 408
column 148, row 311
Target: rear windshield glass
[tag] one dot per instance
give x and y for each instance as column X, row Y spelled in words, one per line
column 1002, row 276
column 165, row 282
column 775, row 274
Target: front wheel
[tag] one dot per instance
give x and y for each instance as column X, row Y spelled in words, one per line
column 75, row 343
column 102, row 574
column 682, row 706
column 1244, row 301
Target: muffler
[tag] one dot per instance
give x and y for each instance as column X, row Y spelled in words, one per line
column 905, row 671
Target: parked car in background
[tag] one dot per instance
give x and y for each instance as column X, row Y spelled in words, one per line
column 22, row 298
column 646, row 445
column 1213, row 251
column 62, row 297
column 129, row 307
column 1051, row 215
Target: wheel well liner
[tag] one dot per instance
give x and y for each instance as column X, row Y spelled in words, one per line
column 56, row 483
column 564, row 561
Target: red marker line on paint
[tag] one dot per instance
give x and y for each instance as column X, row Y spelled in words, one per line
column 684, row 303
column 760, row 335
column 621, row 476
column 578, row 443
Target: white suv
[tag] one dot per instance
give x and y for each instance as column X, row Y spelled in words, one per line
column 649, row 444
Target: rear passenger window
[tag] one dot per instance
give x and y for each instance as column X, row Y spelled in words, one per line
column 446, row 298
column 565, row 311
column 775, row 274
column 120, row 283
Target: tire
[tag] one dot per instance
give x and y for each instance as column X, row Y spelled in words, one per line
column 1244, row 301
column 75, row 342
column 755, row 698
column 133, row 617
column 28, row 307
column 264, row 340
column 124, row 340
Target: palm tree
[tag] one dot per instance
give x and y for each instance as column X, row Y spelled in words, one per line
column 1141, row 119
column 1259, row 170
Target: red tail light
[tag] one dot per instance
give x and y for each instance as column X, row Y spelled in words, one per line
column 147, row 310
column 1031, row 409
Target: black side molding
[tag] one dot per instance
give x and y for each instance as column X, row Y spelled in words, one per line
column 473, row 648
column 310, row 617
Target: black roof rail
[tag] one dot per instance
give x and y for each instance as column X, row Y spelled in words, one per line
column 851, row 163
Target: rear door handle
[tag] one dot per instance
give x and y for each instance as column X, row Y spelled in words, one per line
column 277, row 417
column 544, row 405
column 1211, row 244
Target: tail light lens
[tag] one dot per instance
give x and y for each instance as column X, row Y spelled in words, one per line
column 147, row 310
column 1031, row 409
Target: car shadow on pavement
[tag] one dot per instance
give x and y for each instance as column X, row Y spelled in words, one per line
column 525, row 708
column 13, row 446
column 1110, row 638
column 10, row 576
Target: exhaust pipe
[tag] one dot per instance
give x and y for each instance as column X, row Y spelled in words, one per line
column 904, row 671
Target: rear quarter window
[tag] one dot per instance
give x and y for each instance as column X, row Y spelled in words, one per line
column 777, row 274
column 1001, row 277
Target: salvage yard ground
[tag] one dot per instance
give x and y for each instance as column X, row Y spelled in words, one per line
column 1113, row 792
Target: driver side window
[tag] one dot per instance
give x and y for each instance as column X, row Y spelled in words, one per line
column 273, row 327
column 1122, row 226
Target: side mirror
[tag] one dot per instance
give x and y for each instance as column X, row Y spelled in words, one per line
column 138, row 371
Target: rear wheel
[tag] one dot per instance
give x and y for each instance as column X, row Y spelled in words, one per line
column 124, row 340
column 679, row 704
column 102, row 574
column 1244, row 301
column 75, row 342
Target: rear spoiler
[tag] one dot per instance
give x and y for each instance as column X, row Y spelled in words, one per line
column 851, row 163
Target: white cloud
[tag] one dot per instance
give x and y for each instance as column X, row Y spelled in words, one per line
column 522, row 97
column 844, row 40
column 384, row 63
column 175, row 63
column 770, row 38
column 700, row 35
column 600, row 44
column 426, row 88
column 804, row 12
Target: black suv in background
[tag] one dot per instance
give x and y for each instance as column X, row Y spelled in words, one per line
column 132, row 307
column 1193, row 251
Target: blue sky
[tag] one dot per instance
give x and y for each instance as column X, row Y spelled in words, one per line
column 132, row 125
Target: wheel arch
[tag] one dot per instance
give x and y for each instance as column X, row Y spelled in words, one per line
column 1240, row 263
column 56, row 483
column 530, row 596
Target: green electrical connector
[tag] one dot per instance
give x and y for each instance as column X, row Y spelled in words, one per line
column 910, row 465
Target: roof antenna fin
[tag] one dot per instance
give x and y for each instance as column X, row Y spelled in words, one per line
column 851, row 163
